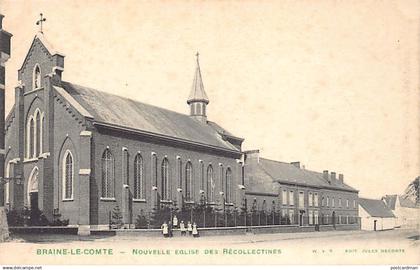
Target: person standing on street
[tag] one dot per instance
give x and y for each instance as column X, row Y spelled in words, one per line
column 194, row 230
column 164, row 228
column 182, row 228
column 175, row 222
column 189, row 227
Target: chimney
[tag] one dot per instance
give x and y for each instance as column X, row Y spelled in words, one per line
column 341, row 178
column 252, row 154
column 325, row 175
column 296, row 164
column 333, row 177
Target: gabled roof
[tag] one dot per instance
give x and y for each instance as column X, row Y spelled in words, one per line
column 197, row 91
column 391, row 201
column 123, row 112
column 375, row 208
column 41, row 38
column 283, row 172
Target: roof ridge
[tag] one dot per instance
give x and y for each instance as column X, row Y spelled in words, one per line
column 130, row 99
column 277, row 161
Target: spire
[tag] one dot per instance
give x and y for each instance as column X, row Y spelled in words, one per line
column 197, row 92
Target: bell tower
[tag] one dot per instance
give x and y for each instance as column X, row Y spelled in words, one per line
column 198, row 99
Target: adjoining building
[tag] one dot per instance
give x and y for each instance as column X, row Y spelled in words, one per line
column 301, row 196
column 375, row 215
column 405, row 210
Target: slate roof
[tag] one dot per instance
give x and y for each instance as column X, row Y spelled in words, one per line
column 197, row 91
column 375, row 208
column 123, row 112
column 391, row 201
column 266, row 172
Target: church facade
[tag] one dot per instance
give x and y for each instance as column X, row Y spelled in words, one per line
column 80, row 152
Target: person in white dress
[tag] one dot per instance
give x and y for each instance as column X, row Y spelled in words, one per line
column 194, row 230
column 165, row 230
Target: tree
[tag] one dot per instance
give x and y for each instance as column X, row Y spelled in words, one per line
column 413, row 191
column 116, row 218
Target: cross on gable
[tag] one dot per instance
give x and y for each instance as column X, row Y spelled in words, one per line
column 40, row 22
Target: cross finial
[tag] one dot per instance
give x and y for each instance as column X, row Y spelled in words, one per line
column 40, row 21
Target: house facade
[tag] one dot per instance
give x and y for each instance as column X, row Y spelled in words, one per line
column 405, row 210
column 300, row 196
column 375, row 215
column 79, row 152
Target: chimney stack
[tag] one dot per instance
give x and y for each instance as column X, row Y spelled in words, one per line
column 341, row 178
column 252, row 154
column 296, row 164
column 333, row 177
column 325, row 175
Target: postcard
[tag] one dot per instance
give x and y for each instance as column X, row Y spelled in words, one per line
column 209, row 132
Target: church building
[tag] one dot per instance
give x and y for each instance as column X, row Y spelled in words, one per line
column 80, row 152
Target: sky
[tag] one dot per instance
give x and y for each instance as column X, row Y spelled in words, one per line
column 332, row 84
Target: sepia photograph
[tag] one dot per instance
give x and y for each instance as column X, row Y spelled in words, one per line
column 209, row 133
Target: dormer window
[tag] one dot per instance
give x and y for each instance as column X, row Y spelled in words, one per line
column 37, row 77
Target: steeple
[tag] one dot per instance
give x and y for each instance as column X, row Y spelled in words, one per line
column 198, row 99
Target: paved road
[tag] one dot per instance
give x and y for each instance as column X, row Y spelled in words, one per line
column 402, row 235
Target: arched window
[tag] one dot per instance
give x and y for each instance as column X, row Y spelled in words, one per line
column 28, row 137
column 139, row 187
column 228, row 184
column 31, row 138
column 222, row 179
column 41, row 140
column 179, row 172
column 201, row 175
column 108, row 177
column 188, row 181
column 166, row 190
column 125, row 166
column 37, row 138
column 154, row 170
column 68, row 175
column 37, row 77
column 210, row 184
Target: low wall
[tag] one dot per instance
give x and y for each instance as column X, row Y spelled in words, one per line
column 282, row 229
column 4, row 231
column 44, row 230
column 241, row 230
column 339, row 227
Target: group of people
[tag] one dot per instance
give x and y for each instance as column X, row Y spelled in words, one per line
column 167, row 228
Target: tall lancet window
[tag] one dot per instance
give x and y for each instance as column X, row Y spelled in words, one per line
column 139, row 185
column 210, row 184
column 31, row 134
column 68, row 176
column 154, row 170
column 188, row 181
column 166, row 190
column 37, row 77
column 108, row 176
column 38, row 133
column 228, row 183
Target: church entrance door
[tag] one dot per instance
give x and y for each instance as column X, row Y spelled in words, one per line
column 33, row 200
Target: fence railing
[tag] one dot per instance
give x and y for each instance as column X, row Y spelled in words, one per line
column 205, row 218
